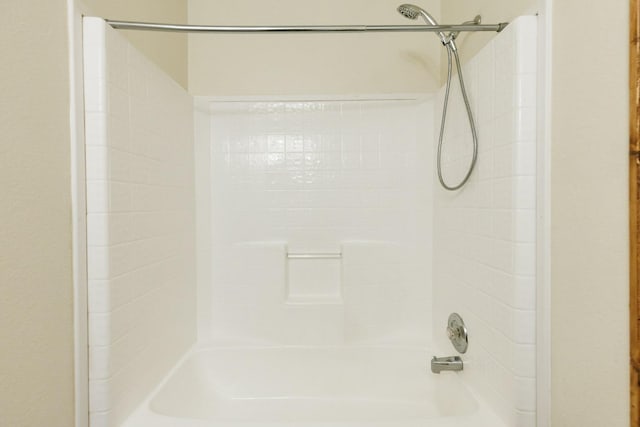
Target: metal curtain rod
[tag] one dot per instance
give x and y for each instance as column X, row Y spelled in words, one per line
column 130, row 25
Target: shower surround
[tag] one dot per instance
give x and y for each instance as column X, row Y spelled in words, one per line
column 140, row 223
column 484, row 261
column 313, row 223
column 319, row 216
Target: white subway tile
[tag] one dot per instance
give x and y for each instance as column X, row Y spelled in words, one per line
column 524, row 293
column 525, row 419
column 526, row 90
column 505, row 129
column 99, row 362
column 98, row 229
column 359, row 184
column 503, row 224
column 99, row 296
column 100, row 399
column 526, row 44
column 524, row 324
column 118, row 102
column 97, row 196
column 524, row 360
column 525, row 392
column 140, row 224
column 95, row 129
column 525, row 158
column 525, row 192
column 525, row 124
column 100, row 419
column 357, row 180
column 120, row 195
column 503, row 159
column 491, row 280
column 96, row 96
column 524, row 259
column 503, row 193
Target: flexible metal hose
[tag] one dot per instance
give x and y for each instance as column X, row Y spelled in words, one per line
column 451, row 49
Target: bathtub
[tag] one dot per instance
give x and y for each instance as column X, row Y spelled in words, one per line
column 236, row 386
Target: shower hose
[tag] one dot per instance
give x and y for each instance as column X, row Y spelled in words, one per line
column 453, row 51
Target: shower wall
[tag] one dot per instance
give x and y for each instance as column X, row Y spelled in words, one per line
column 317, row 220
column 140, row 223
column 283, row 184
column 485, row 233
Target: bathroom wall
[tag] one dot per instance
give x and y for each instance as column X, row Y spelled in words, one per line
column 301, row 64
column 485, row 232
column 36, row 288
column 492, row 11
column 140, row 223
column 350, row 178
column 589, row 213
column 167, row 50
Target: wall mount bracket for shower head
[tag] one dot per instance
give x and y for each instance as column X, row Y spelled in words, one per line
column 475, row 21
column 457, row 333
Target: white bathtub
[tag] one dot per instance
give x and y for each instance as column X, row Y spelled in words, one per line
column 311, row 386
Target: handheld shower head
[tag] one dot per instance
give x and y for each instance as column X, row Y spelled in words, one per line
column 412, row 11
column 409, row 11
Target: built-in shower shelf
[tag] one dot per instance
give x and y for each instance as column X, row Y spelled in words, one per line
column 314, row 278
column 314, row 255
column 316, row 300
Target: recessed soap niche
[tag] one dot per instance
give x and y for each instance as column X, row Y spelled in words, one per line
column 314, row 278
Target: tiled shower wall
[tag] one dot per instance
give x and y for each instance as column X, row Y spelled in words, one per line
column 485, row 233
column 350, row 179
column 141, row 239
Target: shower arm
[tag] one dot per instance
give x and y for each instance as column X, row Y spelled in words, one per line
column 179, row 28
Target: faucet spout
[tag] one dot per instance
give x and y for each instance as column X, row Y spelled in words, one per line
column 450, row 363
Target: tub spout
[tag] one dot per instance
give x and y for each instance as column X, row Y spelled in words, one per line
column 451, row 363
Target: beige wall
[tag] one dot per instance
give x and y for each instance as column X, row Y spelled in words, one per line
column 492, row 12
column 36, row 290
column 589, row 256
column 286, row 64
column 167, row 50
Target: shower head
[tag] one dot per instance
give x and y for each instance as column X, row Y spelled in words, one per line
column 412, row 11
column 409, row 11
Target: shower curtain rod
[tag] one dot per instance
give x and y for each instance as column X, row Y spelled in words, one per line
column 149, row 26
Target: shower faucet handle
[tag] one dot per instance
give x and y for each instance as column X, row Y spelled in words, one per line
column 457, row 333
column 453, row 333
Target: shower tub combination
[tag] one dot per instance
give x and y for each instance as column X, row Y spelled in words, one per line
column 292, row 262
column 311, row 386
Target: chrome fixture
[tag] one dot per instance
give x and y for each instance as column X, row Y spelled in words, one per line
column 457, row 333
column 179, row 28
column 475, row 21
column 451, row 363
column 336, row 255
column 412, row 12
column 446, row 33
